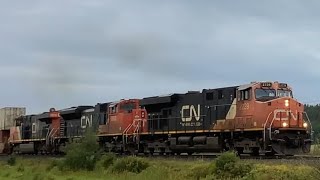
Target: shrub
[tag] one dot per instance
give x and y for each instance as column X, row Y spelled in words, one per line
column 53, row 164
column 20, row 168
column 12, row 161
column 225, row 160
column 266, row 172
column 199, row 171
column 108, row 160
column 130, row 164
column 82, row 156
column 228, row 165
column 38, row 176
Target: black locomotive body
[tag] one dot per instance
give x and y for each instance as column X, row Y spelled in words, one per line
column 184, row 122
column 193, row 111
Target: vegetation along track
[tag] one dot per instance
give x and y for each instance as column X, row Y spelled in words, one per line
column 194, row 157
column 208, row 157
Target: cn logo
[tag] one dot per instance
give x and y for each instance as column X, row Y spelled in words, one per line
column 282, row 114
column 86, row 121
column 193, row 112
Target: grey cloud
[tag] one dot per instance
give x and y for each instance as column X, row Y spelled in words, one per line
column 81, row 52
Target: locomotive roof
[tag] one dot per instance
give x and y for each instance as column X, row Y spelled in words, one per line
column 245, row 86
column 157, row 99
column 74, row 109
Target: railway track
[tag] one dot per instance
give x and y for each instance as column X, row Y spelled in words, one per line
column 208, row 157
column 242, row 157
column 205, row 157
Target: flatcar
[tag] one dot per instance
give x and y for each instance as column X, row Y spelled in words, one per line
column 256, row 118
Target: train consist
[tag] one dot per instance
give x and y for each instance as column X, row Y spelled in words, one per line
column 256, row 118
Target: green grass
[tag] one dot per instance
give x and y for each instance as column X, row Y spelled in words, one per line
column 159, row 169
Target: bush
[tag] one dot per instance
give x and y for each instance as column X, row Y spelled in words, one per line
column 199, row 171
column 225, row 160
column 12, row 161
column 53, row 164
column 130, row 164
column 20, row 168
column 228, row 165
column 108, row 160
column 266, row 172
column 82, row 156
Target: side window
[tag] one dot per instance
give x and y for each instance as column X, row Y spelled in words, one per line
column 209, row 96
column 34, row 128
column 244, row 95
column 220, row 94
column 113, row 109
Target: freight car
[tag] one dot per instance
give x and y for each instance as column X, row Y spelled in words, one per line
column 7, row 120
column 257, row 118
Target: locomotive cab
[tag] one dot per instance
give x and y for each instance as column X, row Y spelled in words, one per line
column 124, row 117
column 125, row 121
column 271, row 107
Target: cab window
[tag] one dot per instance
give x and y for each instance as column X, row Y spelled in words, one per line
column 244, row 94
column 284, row 93
column 265, row 93
column 127, row 107
column 113, row 109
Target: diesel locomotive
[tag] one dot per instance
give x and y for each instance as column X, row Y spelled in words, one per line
column 256, row 118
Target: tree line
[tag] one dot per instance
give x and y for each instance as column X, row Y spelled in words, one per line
column 313, row 112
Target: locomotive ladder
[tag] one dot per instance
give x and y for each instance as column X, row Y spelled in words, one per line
column 62, row 127
column 136, row 132
column 125, row 134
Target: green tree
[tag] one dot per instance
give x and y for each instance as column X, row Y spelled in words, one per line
column 83, row 155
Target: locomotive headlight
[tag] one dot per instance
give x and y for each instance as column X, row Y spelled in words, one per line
column 305, row 125
column 286, row 103
column 284, row 124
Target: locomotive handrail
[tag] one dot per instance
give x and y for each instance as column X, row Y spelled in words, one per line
column 125, row 133
column 264, row 127
column 270, row 127
column 127, row 129
column 48, row 135
column 54, row 132
column 137, row 127
column 175, row 117
column 218, row 105
column 311, row 128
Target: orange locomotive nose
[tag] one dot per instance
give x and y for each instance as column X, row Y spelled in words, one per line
column 287, row 113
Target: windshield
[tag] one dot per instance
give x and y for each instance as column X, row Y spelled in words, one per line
column 284, row 93
column 265, row 93
column 127, row 107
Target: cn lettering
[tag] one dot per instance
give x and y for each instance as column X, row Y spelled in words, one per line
column 193, row 112
column 282, row 114
column 86, row 121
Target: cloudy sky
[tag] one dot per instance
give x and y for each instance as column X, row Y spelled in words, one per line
column 63, row 53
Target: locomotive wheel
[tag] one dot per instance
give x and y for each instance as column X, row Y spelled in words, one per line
column 239, row 151
column 162, row 151
column 255, row 152
column 151, row 151
column 272, row 153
